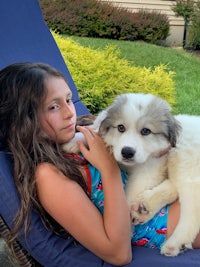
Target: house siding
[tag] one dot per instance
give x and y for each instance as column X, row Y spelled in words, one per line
column 162, row 6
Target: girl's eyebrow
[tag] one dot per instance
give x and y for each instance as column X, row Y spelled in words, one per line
column 69, row 94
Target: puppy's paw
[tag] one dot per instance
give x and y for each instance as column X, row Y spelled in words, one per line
column 71, row 147
column 172, row 249
column 151, row 201
column 139, row 213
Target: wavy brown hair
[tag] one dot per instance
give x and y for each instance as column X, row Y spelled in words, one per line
column 22, row 91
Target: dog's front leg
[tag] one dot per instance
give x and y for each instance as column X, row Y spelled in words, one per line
column 152, row 200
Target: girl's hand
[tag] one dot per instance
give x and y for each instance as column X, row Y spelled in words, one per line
column 96, row 153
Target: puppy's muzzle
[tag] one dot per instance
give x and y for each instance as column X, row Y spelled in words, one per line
column 128, row 152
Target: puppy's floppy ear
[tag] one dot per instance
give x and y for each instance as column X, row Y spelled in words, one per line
column 174, row 129
column 104, row 123
column 104, row 126
column 160, row 107
column 99, row 120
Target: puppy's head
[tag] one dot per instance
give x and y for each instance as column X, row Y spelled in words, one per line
column 137, row 126
column 113, row 129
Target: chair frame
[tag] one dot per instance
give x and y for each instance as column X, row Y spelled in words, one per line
column 24, row 259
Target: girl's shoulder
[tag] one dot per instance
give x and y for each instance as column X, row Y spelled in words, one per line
column 50, row 180
column 44, row 168
column 46, row 172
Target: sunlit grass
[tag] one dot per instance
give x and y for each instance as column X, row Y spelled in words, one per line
column 185, row 65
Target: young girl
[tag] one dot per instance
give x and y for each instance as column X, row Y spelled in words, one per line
column 66, row 190
column 37, row 115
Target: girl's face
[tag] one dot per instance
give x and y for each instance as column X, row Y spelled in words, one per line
column 57, row 115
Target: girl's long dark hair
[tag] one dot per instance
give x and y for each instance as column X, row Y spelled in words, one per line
column 22, row 91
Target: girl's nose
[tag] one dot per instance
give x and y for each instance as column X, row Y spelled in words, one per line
column 68, row 111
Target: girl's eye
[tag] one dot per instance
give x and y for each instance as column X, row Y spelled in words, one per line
column 69, row 100
column 53, row 107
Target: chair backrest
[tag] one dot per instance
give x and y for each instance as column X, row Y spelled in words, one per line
column 25, row 37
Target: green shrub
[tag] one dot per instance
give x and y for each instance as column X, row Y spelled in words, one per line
column 155, row 26
column 100, row 75
column 194, row 29
column 93, row 18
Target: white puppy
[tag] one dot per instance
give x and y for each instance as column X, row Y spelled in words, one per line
column 161, row 154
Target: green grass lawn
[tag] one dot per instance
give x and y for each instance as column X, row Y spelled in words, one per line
column 185, row 65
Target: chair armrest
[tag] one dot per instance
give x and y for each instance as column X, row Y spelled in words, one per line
column 21, row 254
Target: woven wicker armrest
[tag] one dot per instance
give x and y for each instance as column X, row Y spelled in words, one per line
column 21, row 254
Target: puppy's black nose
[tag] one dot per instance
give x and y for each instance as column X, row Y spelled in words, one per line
column 128, row 152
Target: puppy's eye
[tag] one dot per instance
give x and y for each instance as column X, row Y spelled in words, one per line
column 121, row 128
column 145, row 131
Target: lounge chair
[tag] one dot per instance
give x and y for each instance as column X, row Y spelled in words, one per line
column 24, row 36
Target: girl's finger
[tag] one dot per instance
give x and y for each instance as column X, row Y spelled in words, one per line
column 87, row 131
column 83, row 149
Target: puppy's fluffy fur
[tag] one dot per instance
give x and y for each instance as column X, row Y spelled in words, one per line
column 161, row 154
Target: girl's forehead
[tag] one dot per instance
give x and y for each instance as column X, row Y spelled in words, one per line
column 56, row 86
